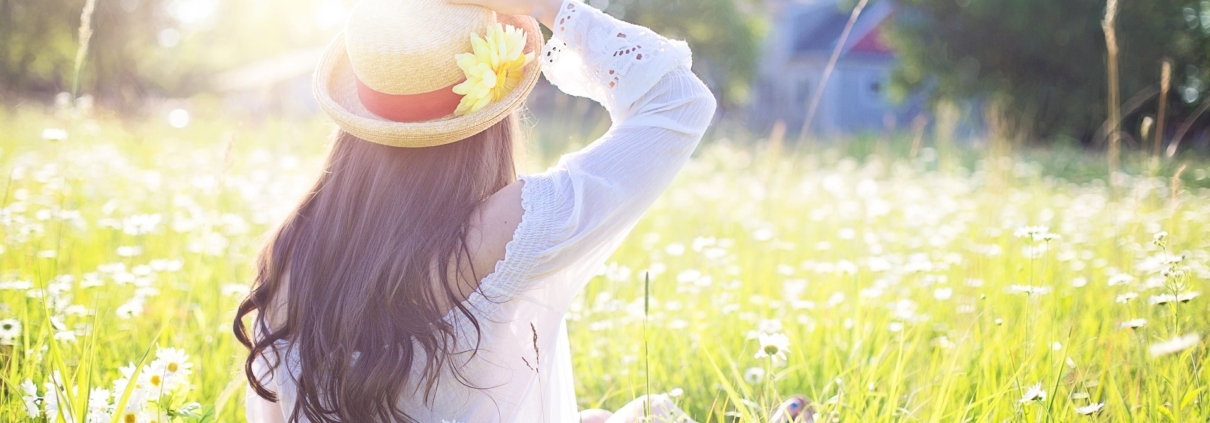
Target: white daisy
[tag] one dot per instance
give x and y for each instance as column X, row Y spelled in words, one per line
column 66, row 336
column 1120, row 279
column 131, row 308
column 138, row 394
column 1090, row 409
column 754, row 375
column 1035, row 233
column 173, row 360
column 774, row 346
column 50, row 402
column 154, row 383
column 1133, row 324
column 99, row 409
column 163, row 265
column 92, row 280
column 172, row 367
column 54, row 134
column 1165, row 299
column 1029, row 289
column 1034, row 393
column 16, row 286
column 130, row 415
column 129, row 251
column 31, row 398
column 10, row 329
column 1174, row 345
column 1162, row 299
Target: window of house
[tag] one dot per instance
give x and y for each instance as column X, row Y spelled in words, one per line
column 802, row 94
column 873, row 86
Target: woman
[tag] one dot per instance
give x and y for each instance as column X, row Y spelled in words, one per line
column 420, row 280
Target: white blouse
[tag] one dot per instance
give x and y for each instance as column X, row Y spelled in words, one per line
column 576, row 214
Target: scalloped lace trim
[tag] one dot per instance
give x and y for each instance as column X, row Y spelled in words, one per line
column 519, row 254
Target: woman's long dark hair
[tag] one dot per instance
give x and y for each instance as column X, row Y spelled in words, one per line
column 370, row 255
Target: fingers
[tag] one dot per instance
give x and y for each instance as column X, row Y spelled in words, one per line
column 490, row 4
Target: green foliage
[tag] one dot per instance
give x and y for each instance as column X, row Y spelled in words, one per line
column 150, row 48
column 40, row 44
column 174, row 48
column 725, row 36
column 1043, row 61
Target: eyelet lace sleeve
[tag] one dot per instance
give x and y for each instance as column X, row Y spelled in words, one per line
column 587, row 203
column 607, row 60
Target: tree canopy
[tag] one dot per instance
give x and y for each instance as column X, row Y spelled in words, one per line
column 725, row 36
column 173, row 48
column 1042, row 62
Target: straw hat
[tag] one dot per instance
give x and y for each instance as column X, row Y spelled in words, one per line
column 389, row 77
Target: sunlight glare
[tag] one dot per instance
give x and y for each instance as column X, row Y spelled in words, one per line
column 178, row 118
column 329, row 14
column 192, row 12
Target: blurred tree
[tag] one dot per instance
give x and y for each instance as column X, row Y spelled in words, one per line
column 38, row 42
column 173, row 48
column 150, row 48
column 725, row 36
column 1042, row 62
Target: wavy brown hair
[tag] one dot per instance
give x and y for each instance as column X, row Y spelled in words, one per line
column 371, row 253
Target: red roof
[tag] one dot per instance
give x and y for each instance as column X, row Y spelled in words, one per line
column 872, row 43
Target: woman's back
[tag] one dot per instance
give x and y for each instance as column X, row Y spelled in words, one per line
column 546, row 235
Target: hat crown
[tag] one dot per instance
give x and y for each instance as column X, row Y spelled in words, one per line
column 405, row 47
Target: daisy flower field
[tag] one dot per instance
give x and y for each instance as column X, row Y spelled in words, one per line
column 943, row 285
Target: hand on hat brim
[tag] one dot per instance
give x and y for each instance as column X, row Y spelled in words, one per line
column 542, row 10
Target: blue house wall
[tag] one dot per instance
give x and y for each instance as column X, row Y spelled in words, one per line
column 803, row 36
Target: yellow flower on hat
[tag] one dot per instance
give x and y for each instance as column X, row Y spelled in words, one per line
column 493, row 69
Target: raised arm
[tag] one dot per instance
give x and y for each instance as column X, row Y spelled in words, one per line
column 574, row 215
column 659, row 109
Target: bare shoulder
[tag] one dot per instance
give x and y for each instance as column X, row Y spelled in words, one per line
column 491, row 227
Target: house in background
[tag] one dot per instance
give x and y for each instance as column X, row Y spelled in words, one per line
column 803, row 35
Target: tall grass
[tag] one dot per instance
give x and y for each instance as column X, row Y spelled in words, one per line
column 902, row 283
column 1162, row 114
column 85, row 38
column 813, row 106
column 1109, row 26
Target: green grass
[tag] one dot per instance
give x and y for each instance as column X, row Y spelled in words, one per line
column 892, row 276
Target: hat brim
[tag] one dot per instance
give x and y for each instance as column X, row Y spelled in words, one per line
column 335, row 89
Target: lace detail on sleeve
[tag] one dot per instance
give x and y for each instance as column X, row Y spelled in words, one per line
column 610, row 61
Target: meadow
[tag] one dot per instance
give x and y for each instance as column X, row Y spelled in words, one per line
column 935, row 284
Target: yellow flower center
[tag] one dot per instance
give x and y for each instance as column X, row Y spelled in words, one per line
column 155, row 380
column 172, row 367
